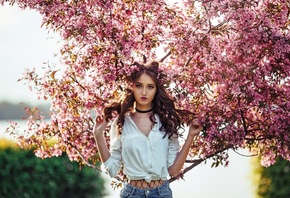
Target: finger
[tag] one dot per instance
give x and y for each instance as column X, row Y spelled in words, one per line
column 195, row 122
column 99, row 118
column 195, row 126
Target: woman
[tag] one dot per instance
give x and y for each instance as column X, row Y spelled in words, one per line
column 144, row 136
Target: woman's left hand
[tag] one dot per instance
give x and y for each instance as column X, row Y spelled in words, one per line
column 194, row 128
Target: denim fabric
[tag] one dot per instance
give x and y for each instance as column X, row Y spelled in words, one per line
column 162, row 191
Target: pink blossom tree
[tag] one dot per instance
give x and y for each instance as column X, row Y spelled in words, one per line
column 227, row 61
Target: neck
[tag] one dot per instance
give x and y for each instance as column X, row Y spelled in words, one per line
column 143, row 111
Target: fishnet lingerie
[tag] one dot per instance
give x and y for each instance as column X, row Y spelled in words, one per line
column 142, row 184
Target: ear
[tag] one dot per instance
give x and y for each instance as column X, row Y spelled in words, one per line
column 139, row 66
column 153, row 66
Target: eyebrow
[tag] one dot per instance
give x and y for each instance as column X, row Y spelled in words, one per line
column 147, row 84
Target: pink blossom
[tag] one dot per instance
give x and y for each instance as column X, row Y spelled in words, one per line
column 228, row 63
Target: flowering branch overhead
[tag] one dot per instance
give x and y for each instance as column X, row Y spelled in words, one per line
column 229, row 62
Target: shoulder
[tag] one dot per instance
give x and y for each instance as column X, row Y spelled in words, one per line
column 127, row 117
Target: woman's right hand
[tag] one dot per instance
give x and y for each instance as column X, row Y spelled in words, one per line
column 100, row 125
column 99, row 128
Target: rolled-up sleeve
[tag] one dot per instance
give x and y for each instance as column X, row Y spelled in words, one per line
column 113, row 165
column 173, row 149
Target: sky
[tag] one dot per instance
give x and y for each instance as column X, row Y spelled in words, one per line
column 23, row 44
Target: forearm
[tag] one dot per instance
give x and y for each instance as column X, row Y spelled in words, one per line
column 101, row 145
column 175, row 168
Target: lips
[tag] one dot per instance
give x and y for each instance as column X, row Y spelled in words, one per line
column 143, row 98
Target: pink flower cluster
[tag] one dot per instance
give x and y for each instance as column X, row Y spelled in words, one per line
column 229, row 63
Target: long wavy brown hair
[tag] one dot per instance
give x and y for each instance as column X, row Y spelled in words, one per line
column 163, row 105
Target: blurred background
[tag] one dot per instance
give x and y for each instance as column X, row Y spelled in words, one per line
column 25, row 44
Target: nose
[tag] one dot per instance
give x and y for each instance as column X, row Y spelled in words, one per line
column 144, row 91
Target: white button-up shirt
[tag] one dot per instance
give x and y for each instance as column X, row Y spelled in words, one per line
column 144, row 157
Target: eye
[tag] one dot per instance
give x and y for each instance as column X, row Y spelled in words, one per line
column 150, row 87
column 138, row 86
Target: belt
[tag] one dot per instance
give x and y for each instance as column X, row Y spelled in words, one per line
column 142, row 183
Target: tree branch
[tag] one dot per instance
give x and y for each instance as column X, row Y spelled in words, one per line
column 188, row 61
column 144, row 59
column 243, row 154
column 92, row 165
column 195, row 163
column 84, row 160
column 244, row 122
column 162, row 59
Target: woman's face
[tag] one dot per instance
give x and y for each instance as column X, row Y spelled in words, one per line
column 144, row 90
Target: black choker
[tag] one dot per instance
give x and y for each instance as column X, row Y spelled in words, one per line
column 141, row 111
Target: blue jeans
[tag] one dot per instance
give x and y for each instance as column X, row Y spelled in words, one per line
column 162, row 191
